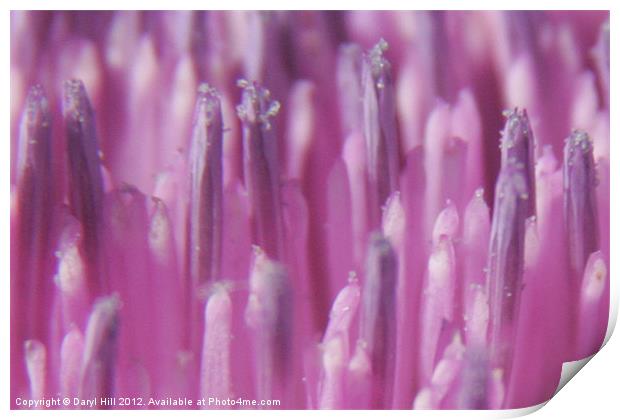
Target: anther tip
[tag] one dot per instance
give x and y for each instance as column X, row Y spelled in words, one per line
column 256, row 106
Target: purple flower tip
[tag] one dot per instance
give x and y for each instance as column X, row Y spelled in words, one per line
column 35, row 139
column 580, row 210
column 379, row 107
column 85, row 178
column 380, row 67
column 205, row 209
column 260, row 157
column 256, row 106
column 518, row 149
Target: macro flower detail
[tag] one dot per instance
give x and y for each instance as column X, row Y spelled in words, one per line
column 378, row 318
column 506, row 260
column 261, row 167
column 379, row 127
column 85, row 184
column 306, row 209
column 204, row 221
column 579, row 202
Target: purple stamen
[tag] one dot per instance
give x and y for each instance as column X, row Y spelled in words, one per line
column 85, row 179
column 505, row 265
column 519, row 149
column 378, row 317
column 580, row 212
column 379, row 108
column 260, row 157
column 205, row 209
column 34, row 200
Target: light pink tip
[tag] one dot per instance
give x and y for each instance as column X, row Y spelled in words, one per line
column 215, row 367
column 447, row 223
column 394, row 220
column 36, row 362
column 98, row 366
column 359, row 378
column 71, row 353
column 333, row 385
column 343, row 311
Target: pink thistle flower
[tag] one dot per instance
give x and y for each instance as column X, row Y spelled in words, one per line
column 306, row 209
